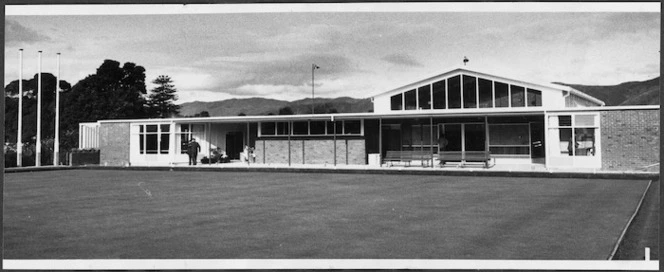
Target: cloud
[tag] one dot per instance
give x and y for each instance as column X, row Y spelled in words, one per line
column 18, row 34
column 402, row 59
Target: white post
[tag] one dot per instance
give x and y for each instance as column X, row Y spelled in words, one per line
column 19, row 135
column 647, row 254
column 56, row 142
column 38, row 143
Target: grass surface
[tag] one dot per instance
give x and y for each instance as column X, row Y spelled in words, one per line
column 89, row 214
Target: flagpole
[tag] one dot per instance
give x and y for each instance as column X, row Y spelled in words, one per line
column 56, row 142
column 38, row 143
column 19, row 134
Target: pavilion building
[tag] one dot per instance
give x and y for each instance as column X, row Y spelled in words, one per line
column 518, row 122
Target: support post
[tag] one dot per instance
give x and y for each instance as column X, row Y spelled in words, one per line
column 38, row 140
column 431, row 139
column 19, row 135
column 380, row 141
column 334, row 124
column 290, row 130
column 56, row 142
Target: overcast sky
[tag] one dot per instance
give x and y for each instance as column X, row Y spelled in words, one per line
column 266, row 54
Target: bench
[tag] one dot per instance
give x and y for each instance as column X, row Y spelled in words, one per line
column 407, row 156
column 465, row 156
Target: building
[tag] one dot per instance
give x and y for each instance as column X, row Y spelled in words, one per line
column 518, row 122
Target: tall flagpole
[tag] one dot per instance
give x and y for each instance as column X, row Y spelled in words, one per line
column 313, row 68
column 39, row 83
column 19, row 134
column 56, row 142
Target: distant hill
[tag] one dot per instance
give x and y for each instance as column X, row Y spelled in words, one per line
column 628, row 93
column 263, row 106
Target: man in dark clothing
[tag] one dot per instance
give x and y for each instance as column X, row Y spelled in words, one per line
column 193, row 150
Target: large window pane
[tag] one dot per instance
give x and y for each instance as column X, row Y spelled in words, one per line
column 469, row 92
column 486, row 95
column 584, row 120
column 453, row 136
column 518, row 95
column 474, row 137
column 301, row 128
column 411, row 101
column 141, row 141
column 454, row 92
column 163, row 144
column 267, row 128
column 502, row 95
column 566, row 141
column 396, row 102
column 509, row 134
column 317, row 127
column 510, row 150
column 439, row 95
column 352, row 127
column 584, row 141
column 534, row 98
column 151, row 142
column 165, row 128
column 424, row 97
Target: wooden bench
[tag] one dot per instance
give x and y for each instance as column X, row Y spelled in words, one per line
column 465, row 156
column 407, row 156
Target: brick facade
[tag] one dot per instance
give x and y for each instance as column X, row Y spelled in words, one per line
column 630, row 138
column 311, row 151
column 114, row 144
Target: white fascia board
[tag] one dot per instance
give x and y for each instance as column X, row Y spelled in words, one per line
column 607, row 108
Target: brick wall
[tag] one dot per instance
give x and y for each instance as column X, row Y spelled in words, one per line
column 314, row 151
column 114, row 144
column 630, row 138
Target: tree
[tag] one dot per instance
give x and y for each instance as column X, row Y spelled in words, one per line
column 286, row 111
column 114, row 92
column 160, row 102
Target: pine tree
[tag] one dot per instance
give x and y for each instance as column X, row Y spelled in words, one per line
column 161, row 99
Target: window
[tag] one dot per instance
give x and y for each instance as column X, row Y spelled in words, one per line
column 454, row 92
column 317, row 127
column 268, row 128
column 352, row 127
column 534, row 98
column 314, row 128
column 518, row 96
column 502, row 94
column 453, row 136
column 165, row 139
column 409, row 97
column 486, row 93
column 301, row 128
column 439, row 95
column 469, row 92
column 573, row 135
column 424, row 97
column 474, row 137
column 154, row 139
column 509, row 139
column 396, row 102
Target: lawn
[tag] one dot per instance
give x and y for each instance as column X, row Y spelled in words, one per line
column 88, row 214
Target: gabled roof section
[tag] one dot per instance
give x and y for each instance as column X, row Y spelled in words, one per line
column 462, row 70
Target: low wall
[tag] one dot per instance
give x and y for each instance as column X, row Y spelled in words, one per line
column 311, row 151
column 630, row 138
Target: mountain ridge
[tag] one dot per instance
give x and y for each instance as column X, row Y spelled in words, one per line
column 627, row 93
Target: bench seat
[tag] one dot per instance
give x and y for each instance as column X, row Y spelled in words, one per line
column 465, row 156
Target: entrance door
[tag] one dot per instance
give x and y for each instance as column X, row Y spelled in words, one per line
column 537, row 142
column 234, row 144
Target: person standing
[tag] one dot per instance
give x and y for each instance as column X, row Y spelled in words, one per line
column 192, row 151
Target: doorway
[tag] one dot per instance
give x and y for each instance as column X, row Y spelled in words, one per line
column 234, row 144
column 537, row 152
